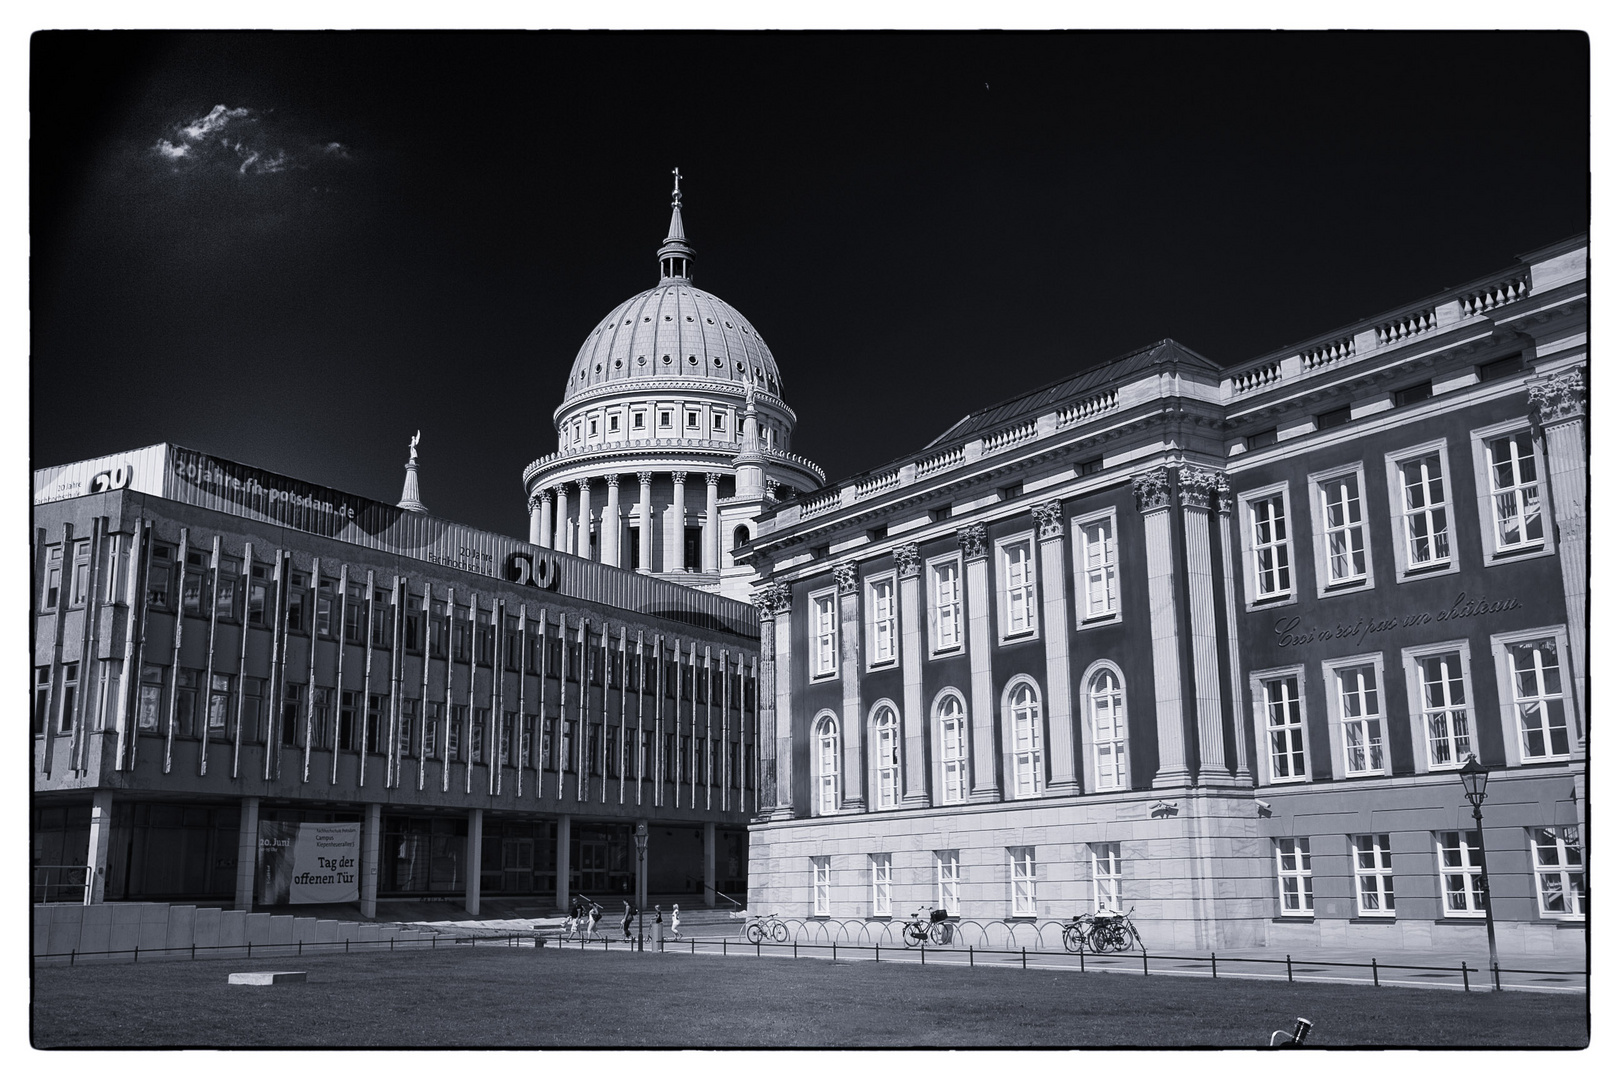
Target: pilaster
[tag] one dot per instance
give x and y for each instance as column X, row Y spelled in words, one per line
column 976, row 573
column 1196, row 488
column 1152, row 490
column 370, row 849
column 1055, row 633
column 247, row 852
column 1243, row 775
column 565, row 826
column 774, row 601
column 101, row 825
column 475, row 856
column 1560, row 407
column 849, row 674
column 914, row 722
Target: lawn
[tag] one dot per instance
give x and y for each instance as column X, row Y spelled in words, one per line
column 494, row 997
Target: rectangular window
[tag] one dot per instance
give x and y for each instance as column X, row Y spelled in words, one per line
column 1530, row 678
column 1294, row 876
column 292, row 713
column 526, row 745
column 1560, row 873
column 160, row 575
column 115, row 543
column 258, row 590
column 1375, row 875
column 185, row 701
column 1461, row 883
column 945, row 604
column 882, row 885
column 407, row 725
column 1270, row 554
column 1341, row 530
column 824, row 632
column 53, row 578
column 323, row 718
column 347, row 704
column 219, row 705
column 880, row 627
column 1508, row 473
column 1412, row 395
column 297, row 589
column 948, row 879
column 1421, row 511
column 1438, row 685
column 433, row 718
column 475, row 744
column 1021, row 862
column 1017, row 559
column 613, row 421
column 1360, row 718
column 1105, row 877
column 638, row 421
column 1277, row 700
column 821, row 884
column 42, row 697
column 325, row 597
column 1097, row 560
column 149, row 708
column 230, row 580
column 70, row 694
column 354, row 614
column 81, row 574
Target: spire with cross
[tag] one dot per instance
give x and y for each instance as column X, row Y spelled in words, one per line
column 675, row 257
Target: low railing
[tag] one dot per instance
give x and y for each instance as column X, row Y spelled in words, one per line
column 62, row 884
column 1330, row 352
column 1084, row 410
column 1010, row 436
column 1490, row 297
column 1405, row 327
column 874, row 484
column 944, row 460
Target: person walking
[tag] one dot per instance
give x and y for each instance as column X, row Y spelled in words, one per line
column 675, row 921
column 596, row 917
column 628, row 915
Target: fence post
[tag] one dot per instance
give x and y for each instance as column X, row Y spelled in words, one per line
column 137, row 954
column 1496, row 975
column 250, row 950
column 345, row 946
column 1290, row 959
column 1212, row 972
column 970, row 956
column 1025, row 954
column 877, row 953
column 1144, row 962
column 835, row 950
column 795, row 948
column 925, row 956
column 723, row 949
column 74, row 953
column 1082, row 958
column 300, row 946
column 194, row 950
column 390, row 944
column 1375, row 971
column 1465, row 975
column 694, row 946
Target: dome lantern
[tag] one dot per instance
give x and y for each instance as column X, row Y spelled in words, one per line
column 675, row 256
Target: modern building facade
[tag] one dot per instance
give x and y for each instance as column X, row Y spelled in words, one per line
column 672, row 436
column 1210, row 642
column 219, row 651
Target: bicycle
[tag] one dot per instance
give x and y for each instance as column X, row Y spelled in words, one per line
column 1076, row 931
column 1112, row 932
column 770, row 926
column 935, row 929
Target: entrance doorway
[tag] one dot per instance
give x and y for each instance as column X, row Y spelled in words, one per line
column 593, row 866
column 517, row 865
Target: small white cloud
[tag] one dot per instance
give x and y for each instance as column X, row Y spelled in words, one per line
column 243, row 141
column 216, row 119
column 170, row 150
column 337, row 150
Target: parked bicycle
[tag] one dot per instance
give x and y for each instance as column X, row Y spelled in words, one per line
column 771, row 926
column 1102, row 932
column 934, row 928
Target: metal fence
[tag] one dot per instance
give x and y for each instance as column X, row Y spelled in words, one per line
column 62, row 884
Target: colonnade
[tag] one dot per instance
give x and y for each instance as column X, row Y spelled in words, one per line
column 550, row 524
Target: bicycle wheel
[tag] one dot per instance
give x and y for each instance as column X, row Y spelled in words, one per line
column 756, row 933
column 1074, row 939
column 779, row 932
column 936, row 933
column 1117, row 941
column 914, row 935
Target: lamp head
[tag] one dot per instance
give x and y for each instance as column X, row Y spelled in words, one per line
column 1473, row 776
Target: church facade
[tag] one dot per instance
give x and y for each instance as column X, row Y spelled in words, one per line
column 1205, row 641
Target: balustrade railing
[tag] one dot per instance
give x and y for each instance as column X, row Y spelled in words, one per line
column 1010, row 436
column 1493, row 296
column 1328, row 353
column 1076, row 412
column 1407, row 326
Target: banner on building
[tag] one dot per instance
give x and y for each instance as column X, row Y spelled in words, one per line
column 309, row 863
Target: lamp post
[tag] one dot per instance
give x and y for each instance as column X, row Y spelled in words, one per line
column 1473, row 776
column 640, row 883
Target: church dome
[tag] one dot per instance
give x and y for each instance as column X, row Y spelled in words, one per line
column 673, row 331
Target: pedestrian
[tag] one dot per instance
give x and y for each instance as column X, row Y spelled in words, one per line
column 596, row 917
column 628, row 915
column 675, row 921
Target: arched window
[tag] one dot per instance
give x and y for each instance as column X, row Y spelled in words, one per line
column 951, row 716
column 740, row 537
column 826, row 745
column 1105, row 714
column 886, row 756
column 1023, row 710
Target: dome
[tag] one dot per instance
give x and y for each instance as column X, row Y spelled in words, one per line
column 673, row 331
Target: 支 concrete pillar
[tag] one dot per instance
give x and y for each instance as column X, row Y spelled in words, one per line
column 563, row 533
column 914, row 719
column 1055, row 634
column 709, row 882
column 247, row 853
column 564, row 844
column 584, row 548
column 370, row 849
column 475, row 859
column 100, row 835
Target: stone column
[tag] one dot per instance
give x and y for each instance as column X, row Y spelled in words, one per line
column 773, row 600
column 611, row 526
column 534, row 520
column 675, row 542
column 853, row 728
column 101, row 834
column 584, row 548
column 914, row 721
column 709, row 883
column 544, row 539
column 644, row 540
column 565, row 824
column 1055, row 633
column 370, row 848
column 1234, row 664
column 711, row 523
column 1560, row 405
column 475, row 855
column 1196, row 487
column 563, row 533
column 982, row 696
column 1153, row 503
column 247, row 852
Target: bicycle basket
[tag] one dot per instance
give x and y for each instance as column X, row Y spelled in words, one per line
column 938, row 915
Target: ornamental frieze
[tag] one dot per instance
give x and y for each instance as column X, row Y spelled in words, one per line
column 1152, row 489
column 1561, row 397
column 1049, row 517
column 908, row 559
column 1197, row 485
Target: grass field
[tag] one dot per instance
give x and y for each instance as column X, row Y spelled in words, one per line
column 494, row 997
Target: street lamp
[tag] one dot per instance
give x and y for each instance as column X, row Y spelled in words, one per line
column 640, row 884
column 1473, row 776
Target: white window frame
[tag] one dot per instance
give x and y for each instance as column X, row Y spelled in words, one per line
column 1337, row 720
column 1107, row 877
column 1411, row 663
column 1373, row 866
column 1490, row 544
column 1509, row 702
column 1025, row 748
column 1563, row 870
column 823, row 637
column 1106, row 569
column 1321, row 533
column 1467, row 868
column 953, row 765
column 1120, row 746
column 886, row 775
column 1293, row 861
column 1263, row 727
column 821, row 885
column 1018, row 612
column 882, row 621
column 1398, row 513
column 882, row 864
column 1254, row 596
column 947, row 624
column 826, row 764
column 948, row 880
column 1022, row 881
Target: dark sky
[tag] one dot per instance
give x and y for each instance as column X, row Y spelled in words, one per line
column 384, row 232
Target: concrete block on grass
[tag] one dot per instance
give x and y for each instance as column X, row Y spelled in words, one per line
column 266, row 978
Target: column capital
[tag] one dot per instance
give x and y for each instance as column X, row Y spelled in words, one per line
column 645, row 478
column 562, row 491
column 543, row 495
column 678, row 477
column 772, row 599
column 712, row 479
column 1223, row 494
column 1152, row 489
column 1049, row 518
column 534, row 503
column 613, row 480
column 1196, row 486
column 584, row 484
column 1559, row 397
column 847, row 578
column 770, row 490
column 908, row 558
column 973, row 541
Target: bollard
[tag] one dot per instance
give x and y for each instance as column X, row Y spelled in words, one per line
column 835, row 950
column 1290, row 959
column 1465, row 976
column 300, row 947
column 925, row 956
column 390, row 944
column 345, row 946
column 722, row 946
column 250, row 950
column 1375, row 971
column 795, row 948
column 694, row 946
column 1212, row 972
column 756, row 950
